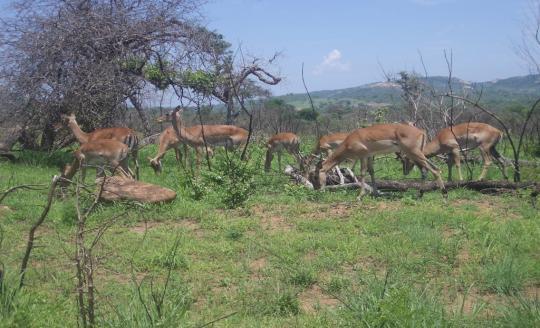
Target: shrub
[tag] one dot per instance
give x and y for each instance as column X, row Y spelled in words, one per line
column 233, row 179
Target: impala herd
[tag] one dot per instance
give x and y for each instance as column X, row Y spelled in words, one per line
column 114, row 146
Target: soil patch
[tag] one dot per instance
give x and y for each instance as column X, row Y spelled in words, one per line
column 276, row 222
column 313, row 298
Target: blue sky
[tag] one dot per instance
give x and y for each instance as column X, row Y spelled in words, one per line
column 341, row 42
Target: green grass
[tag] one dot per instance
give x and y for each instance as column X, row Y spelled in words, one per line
column 287, row 257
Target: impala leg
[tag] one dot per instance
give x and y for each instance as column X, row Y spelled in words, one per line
column 177, row 154
column 424, row 163
column 186, row 155
column 499, row 161
column 456, row 156
column 487, row 162
column 135, row 155
column 363, row 170
column 279, row 160
column 371, row 172
column 423, row 174
column 450, row 163
column 327, row 166
column 268, row 161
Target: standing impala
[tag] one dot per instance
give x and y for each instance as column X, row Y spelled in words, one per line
column 121, row 134
column 466, row 136
column 277, row 143
column 378, row 139
column 213, row 135
column 99, row 152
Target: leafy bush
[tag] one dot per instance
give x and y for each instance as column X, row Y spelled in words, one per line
column 233, row 179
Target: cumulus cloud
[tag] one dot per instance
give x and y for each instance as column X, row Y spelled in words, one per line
column 332, row 62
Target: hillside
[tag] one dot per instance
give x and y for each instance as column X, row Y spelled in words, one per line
column 497, row 93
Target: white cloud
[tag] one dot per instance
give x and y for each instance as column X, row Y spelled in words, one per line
column 332, row 62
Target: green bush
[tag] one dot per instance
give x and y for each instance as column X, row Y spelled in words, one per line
column 233, row 179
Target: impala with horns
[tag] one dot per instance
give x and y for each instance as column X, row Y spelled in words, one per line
column 122, row 134
column 101, row 152
column 167, row 140
column 282, row 141
column 463, row 137
column 364, row 143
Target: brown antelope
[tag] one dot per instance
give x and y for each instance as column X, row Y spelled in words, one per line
column 121, row 134
column 329, row 142
column 464, row 136
column 277, row 143
column 199, row 136
column 167, row 140
column 99, row 152
column 378, row 139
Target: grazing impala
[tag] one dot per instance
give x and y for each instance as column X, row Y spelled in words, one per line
column 329, row 142
column 277, row 143
column 99, row 152
column 364, row 143
column 466, row 136
column 121, row 134
column 168, row 140
column 214, row 135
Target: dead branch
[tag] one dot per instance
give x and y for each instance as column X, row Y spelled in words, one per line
column 32, row 232
column 24, row 187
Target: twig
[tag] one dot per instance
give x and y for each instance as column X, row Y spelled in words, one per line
column 25, row 187
column 32, row 232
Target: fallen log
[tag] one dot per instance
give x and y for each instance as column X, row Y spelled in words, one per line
column 394, row 185
column 333, row 183
column 120, row 188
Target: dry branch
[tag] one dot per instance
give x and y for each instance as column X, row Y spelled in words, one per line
column 32, row 232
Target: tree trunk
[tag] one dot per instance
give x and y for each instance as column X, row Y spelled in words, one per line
column 231, row 114
column 142, row 115
column 28, row 140
column 47, row 138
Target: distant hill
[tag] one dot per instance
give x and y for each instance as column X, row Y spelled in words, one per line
column 496, row 93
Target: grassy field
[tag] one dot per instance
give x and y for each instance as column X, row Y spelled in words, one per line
column 288, row 257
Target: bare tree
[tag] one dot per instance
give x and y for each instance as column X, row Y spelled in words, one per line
column 91, row 57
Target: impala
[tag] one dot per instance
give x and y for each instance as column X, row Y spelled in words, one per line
column 99, row 152
column 329, row 142
column 465, row 136
column 199, row 136
column 379, row 139
column 121, row 134
column 277, row 143
column 167, row 140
